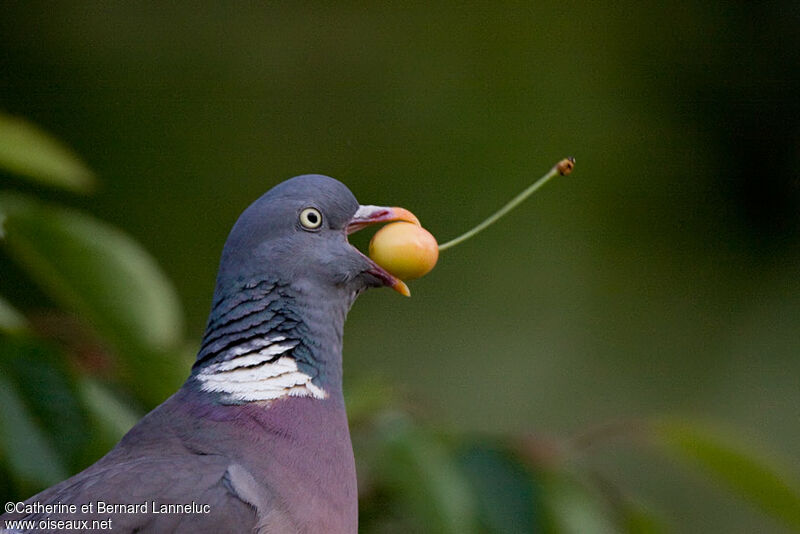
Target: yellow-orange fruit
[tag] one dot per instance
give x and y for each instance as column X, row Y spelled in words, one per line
column 404, row 249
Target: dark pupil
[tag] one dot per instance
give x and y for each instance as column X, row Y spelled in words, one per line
column 312, row 218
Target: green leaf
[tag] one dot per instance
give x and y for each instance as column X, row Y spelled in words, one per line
column 508, row 499
column 639, row 520
column 367, row 396
column 27, row 150
column 761, row 483
column 23, row 445
column 106, row 278
column 110, row 417
column 11, row 321
column 115, row 417
column 47, row 388
column 572, row 507
column 419, row 469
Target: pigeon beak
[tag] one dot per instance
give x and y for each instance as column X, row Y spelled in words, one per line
column 368, row 215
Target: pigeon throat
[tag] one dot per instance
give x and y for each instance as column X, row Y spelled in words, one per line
column 263, row 343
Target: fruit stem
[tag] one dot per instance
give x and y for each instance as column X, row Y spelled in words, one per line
column 562, row 168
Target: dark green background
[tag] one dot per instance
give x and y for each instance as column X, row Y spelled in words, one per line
column 660, row 278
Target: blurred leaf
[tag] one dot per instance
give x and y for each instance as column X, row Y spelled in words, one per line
column 367, row 396
column 47, row 389
column 29, row 455
column 27, row 150
column 11, row 321
column 419, row 469
column 115, row 417
column 110, row 418
column 95, row 269
column 572, row 507
column 766, row 486
column 638, row 520
column 507, row 497
column 104, row 276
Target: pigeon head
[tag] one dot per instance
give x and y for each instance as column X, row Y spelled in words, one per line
column 286, row 281
column 297, row 233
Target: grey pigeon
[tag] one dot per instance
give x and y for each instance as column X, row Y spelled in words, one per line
column 256, row 439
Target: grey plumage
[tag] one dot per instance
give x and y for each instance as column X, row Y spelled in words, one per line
column 256, row 440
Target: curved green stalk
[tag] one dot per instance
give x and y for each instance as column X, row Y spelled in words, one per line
column 563, row 167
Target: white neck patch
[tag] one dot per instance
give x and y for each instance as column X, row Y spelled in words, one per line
column 257, row 376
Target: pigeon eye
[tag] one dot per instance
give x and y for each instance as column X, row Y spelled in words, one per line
column 311, row 218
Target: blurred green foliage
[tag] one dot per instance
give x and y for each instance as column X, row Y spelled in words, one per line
column 660, row 278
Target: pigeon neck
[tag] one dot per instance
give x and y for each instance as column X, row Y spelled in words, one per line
column 267, row 340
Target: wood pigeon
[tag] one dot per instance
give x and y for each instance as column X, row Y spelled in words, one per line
column 256, row 439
